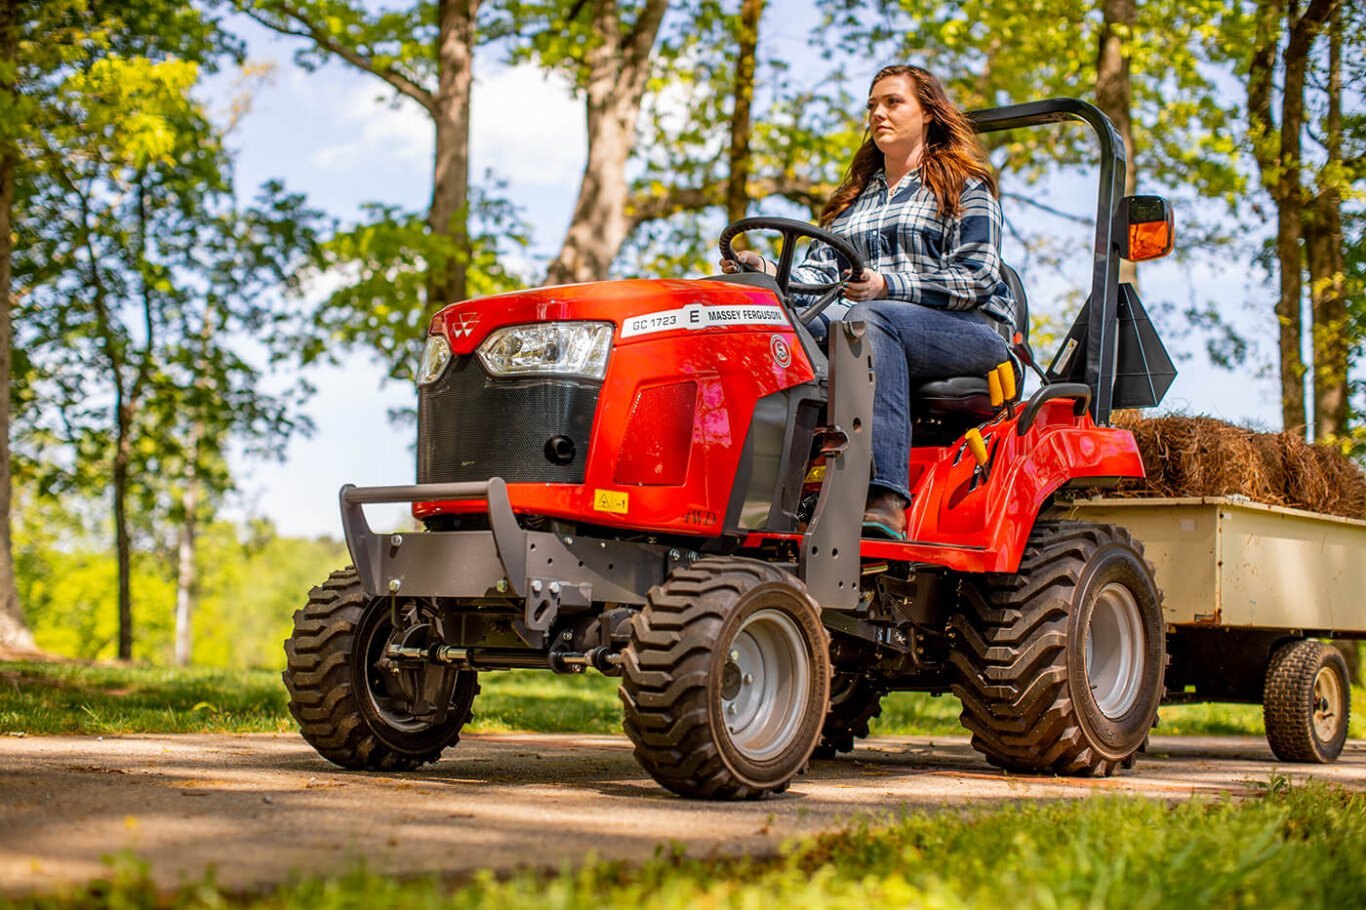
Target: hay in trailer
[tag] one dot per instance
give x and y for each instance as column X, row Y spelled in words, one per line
column 1202, row 456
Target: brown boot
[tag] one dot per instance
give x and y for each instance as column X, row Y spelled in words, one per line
column 885, row 514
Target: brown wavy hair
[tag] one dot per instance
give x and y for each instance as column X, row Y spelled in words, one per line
column 952, row 153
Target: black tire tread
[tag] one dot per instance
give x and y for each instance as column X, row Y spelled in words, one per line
column 664, row 676
column 1010, row 655
column 1287, row 707
column 849, row 720
column 319, row 677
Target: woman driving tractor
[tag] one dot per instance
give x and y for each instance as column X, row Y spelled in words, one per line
column 919, row 202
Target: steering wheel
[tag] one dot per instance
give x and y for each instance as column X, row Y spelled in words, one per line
column 791, row 229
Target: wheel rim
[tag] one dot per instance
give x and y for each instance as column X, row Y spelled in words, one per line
column 765, row 684
column 379, row 685
column 1328, row 702
column 1114, row 651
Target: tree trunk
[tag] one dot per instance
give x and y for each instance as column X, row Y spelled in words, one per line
column 447, row 280
column 1290, row 200
column 1114, row 93
column 1279, row 163
column 186, row 576
column 1326, row 253
column 737, row 186
column 186, row 586
column 122, row 542
column 618, row 66
column 13, row 631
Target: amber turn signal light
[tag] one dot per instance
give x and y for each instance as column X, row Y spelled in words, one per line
column 1147, row 228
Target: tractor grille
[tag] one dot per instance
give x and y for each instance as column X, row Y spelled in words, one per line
column 471, row 427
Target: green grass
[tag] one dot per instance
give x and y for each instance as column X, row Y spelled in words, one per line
column 78, row 698
column 1242, row 720
column 38, row 698
column 1302, row 847
column 81, row 699
column 917, row 714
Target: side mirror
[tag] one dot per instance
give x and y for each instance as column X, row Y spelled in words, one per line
column 1147, row 228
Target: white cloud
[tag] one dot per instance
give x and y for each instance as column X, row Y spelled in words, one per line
column 525, row 125
column 396, row 133
column 528, row 128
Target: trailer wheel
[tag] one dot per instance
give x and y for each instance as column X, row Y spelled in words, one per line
column 351, row 706
column 1307, row 702
column 1060, row 665
column 855, row 701
column 725, row 680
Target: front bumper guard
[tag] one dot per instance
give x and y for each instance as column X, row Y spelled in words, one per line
column 547, row 571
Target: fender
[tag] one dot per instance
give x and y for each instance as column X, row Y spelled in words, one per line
column 973, row 521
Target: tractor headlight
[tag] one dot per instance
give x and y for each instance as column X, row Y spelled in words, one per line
column 558, row 348
column 434, row 359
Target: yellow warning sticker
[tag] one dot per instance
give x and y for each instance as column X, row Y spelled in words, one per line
column 610, row 501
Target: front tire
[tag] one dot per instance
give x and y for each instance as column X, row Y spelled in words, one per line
column 726, row 679
column 349, row 703
column 1307, row 702
column 1060, row 665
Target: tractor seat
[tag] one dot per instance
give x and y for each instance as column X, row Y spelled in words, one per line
column 959, row 402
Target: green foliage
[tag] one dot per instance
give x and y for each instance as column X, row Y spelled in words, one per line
column 249, row 587
column 1293, row 847
column 250, row 583
column 534, row 700
column 53, row 698
column 387, row 257
column 805, row 126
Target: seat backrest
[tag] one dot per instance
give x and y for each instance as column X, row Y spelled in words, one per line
column 1017, row 291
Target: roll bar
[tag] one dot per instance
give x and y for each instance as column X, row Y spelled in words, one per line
column 1102, row 332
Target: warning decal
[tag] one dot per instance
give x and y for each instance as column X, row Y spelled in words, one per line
column 611, row 501
column 697, row 316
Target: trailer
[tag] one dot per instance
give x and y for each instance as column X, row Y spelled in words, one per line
column 1248, row 588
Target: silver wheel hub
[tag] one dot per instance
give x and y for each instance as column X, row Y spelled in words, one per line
column 1328, row 702
column 765, row 684
column 1115, row 651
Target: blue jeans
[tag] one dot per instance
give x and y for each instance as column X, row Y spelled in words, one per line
column 913, row 344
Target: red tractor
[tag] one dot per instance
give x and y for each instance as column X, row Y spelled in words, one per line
column 664, row 480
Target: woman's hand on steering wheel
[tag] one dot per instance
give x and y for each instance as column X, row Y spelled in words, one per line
column 746, row 260
column 791, row 229
column 872, row 287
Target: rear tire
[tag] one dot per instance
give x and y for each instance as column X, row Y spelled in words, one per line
column 1060, row 665
column 337, row 693
column 1307, row 702
column 726, row 680
column 855, row 701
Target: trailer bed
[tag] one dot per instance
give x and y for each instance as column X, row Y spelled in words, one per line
column 1230, row 562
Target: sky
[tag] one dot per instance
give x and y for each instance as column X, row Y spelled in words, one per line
column 338, row 136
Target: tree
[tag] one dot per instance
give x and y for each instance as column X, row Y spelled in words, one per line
column 1278, row 154
column 788, row 137
column 737, row 183
column 408, row 264
column 424, row 53
column 1114, row 92
column 133, row 242
column 13, row 631
column 1181, row 129
column 1326, row 248
column 605, row 46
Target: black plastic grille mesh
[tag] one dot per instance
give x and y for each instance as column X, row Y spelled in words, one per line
column 470, row 427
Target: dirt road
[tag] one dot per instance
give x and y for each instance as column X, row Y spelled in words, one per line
column 261, row 807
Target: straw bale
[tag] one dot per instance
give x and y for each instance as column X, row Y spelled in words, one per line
column 1201, row 456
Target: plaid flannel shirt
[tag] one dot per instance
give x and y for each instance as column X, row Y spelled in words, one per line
column 947, row 263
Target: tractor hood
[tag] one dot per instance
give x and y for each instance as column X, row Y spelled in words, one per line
column 640, row 309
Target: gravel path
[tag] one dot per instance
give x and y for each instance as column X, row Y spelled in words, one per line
column 262, row 807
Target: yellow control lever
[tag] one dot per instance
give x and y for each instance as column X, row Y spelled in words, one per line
column 994, row 388
column 1007, row 373
column 977, row 446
